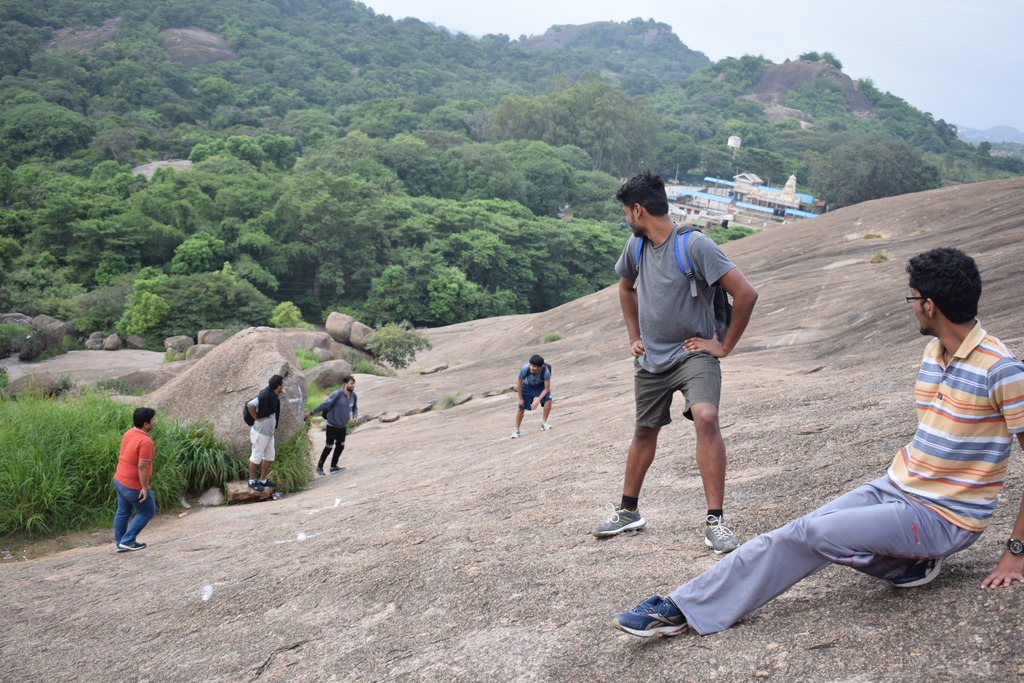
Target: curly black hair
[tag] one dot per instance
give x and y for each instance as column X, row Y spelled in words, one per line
column 950, row 278
column 646, row 189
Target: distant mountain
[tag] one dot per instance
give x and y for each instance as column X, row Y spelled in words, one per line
column 994, row 134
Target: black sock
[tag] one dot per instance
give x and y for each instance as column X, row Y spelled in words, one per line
column 629, row 503
column 717, row 513
column 323, row 457
column 337, row 453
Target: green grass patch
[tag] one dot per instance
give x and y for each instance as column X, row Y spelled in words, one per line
column 871, row 236
column 171, row 356
column 879, row 257
column 551, row 337
column 307, row 359
column 58, row 457
column 69, row 343
column 447, row 401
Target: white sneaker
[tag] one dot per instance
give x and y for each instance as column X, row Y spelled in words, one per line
column 545, row 426
column 515, row 434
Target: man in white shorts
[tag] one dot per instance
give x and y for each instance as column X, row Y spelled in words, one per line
column 261, row 435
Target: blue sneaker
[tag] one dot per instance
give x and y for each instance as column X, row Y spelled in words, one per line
column 919, row 573
column 655, row 616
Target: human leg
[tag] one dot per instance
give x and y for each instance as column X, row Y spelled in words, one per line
column 124, row 510
column 144, row 511
column 547, row 409
column 874, row 529
column 641, row 455
column 338, row 448
column 710, row 453
column 519, row 417
column 331, row 437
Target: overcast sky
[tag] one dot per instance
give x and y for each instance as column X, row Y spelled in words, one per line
column 962, row 61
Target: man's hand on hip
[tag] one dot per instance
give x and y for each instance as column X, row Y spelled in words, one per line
column 712, row 346
column 636, row 347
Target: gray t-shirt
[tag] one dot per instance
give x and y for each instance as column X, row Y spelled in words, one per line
column 264, row 427
column 668, row 314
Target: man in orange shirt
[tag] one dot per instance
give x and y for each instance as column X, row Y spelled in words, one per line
column 131, row 482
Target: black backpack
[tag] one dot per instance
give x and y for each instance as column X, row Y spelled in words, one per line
column 246, row 415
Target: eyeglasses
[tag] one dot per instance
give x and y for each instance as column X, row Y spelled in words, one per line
column 911, row 298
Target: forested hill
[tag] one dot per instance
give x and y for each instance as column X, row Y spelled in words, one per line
column 389, row 169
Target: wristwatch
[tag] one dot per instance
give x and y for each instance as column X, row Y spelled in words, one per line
column 1015, row 547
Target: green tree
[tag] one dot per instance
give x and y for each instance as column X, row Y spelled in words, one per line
column 200, row 253
column 452, row 298
column 870, row 168
column 287, row 314
column 146, row 308
column 397, row 344
column 214, row 92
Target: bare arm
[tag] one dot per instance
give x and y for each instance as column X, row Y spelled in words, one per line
column 743, row 298
column 145, row 469
column 631, row 316
column 1010, row 567
column 519, row 389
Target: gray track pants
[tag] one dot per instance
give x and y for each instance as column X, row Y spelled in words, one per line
column 875, row 529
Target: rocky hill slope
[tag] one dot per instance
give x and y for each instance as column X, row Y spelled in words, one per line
column 447, row 552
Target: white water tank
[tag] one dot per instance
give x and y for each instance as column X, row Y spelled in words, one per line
column 734, row 141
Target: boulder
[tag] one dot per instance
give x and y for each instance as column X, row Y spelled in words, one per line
column 198, row 351
column 66, row 329
column 214, row 388
column 211, row 336
column 134, row 341
column 15, row 319
column 357, row 336
column 306, row 340
column 97, row 335
column 434, row 368
column 112, row 343
column 94, row 344
column 177, row 366
column 416, row 411
column 239, row 492
column 389, row 417
column 178, row 344
column 147, row 380
column 38, row 383
column 323, row 355
column 213, row 497
column 328, row 374
column 349, row 353
column 497, row 392
column 41, row 338
column 339, row 326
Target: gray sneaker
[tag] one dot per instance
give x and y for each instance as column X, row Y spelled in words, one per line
column 718, row 537
column 620, row 520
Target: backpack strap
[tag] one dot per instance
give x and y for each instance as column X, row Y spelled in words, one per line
column 694, row 289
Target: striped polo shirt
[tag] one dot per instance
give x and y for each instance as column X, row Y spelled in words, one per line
column 967, row 412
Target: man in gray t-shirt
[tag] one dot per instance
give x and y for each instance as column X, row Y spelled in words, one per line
column 675, row 345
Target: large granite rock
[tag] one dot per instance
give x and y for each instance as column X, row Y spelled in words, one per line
column 15, row 319
column 346, row 352
column 134, row 341
column 211, row 336
column 199, row 351
column 66, row 329
column 358, row 335
column 112, row 343
column 239, row 492
column 95, row 343
column 147, row 380
column 339, row 326
column 177, row 366
column 328, row 374
column 215, row 388
column 306, row 340
column 323, row 355
column 178, row 344
column 37, row 383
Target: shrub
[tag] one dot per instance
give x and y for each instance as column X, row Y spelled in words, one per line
column 287, row 314
column 69, row 343
column 11, row 338
column 57, row 458
column 307, row 359
column 871, row 236
column 397, row 345
column 551, row 337
column 3, row 377
column 365, row 367
column 879, row 257
column 117, row 386
column 447, row 401
column 293, row 468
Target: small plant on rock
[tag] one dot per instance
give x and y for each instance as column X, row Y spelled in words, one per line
column 397, row 345
column 879, row 257
column 551, row 337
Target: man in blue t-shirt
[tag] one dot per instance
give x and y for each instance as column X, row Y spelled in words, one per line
column 533, row 385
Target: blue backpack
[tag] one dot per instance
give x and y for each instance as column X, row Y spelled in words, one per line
column 721, row 311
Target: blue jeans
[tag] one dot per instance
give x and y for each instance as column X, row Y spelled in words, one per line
column 128, row 500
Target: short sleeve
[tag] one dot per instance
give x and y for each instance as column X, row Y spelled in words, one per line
column 1006, row 387
column 524, row 371
column 625, row 267
column 255, row 403
column 708, row 260
column 547, row 374
column 146, row 449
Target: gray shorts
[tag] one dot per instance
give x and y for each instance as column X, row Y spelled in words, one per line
column 698, row 376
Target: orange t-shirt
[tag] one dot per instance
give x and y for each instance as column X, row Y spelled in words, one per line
column 135, row 446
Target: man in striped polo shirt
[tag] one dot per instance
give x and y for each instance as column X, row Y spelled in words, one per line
column 937, row 497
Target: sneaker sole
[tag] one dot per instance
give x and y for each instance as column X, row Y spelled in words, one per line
column 128, row 550
column 632, row 526
column 709, row 544
column 927, row 578
column 651, row 632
